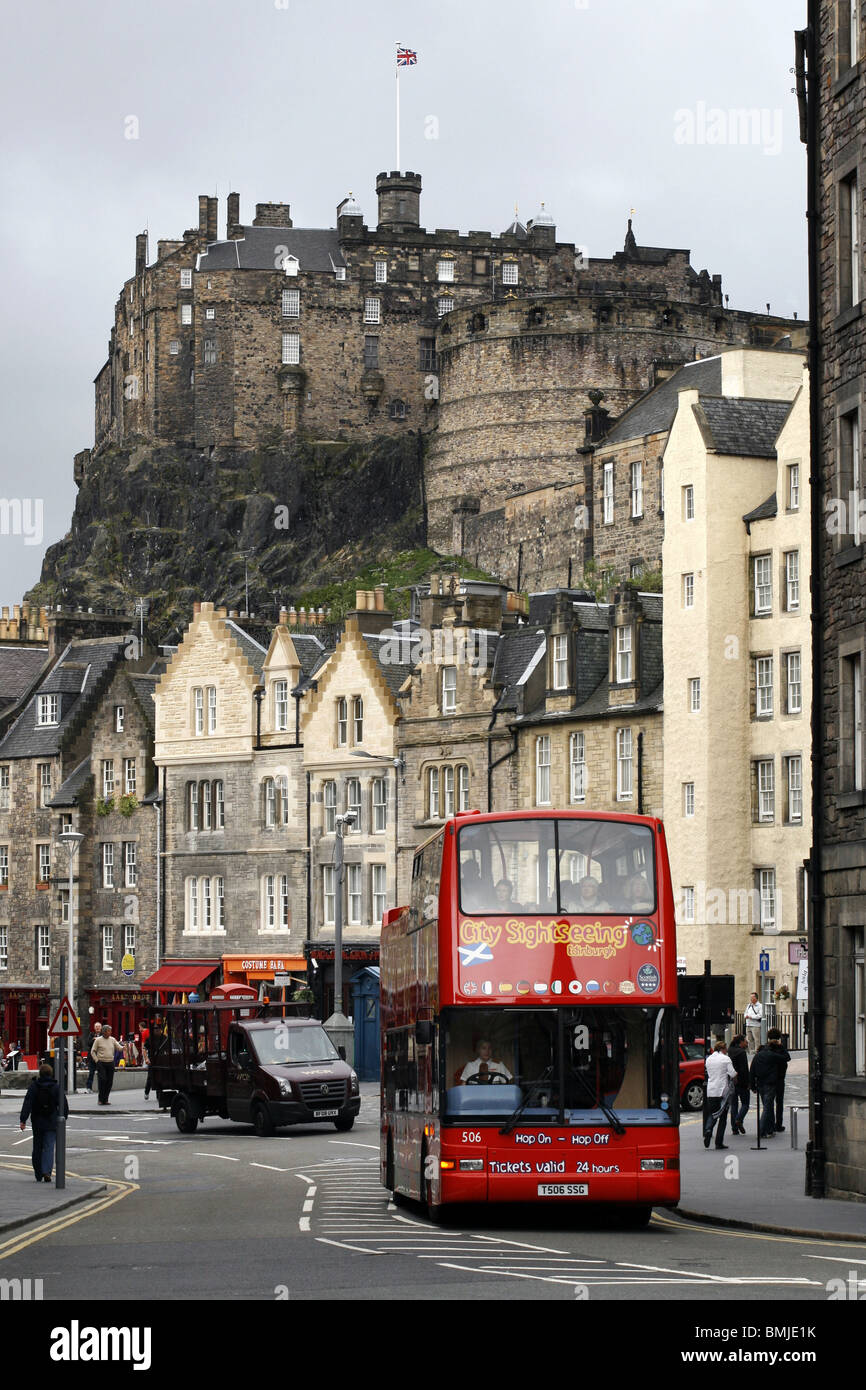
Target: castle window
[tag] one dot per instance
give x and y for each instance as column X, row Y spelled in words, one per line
column 397, row 410
column 174, row 347
column 481, row 265
column 186, row 279
column 186, row 313
column 291, row 349
column 445, row 271
column 340, row 272
column 372, row 309
column 358, row 719
column 371, row 353
column 381, row 271
column 342, row 722
column 608, row 494
column 445, row 305
column 637, row 489
column 291, row 304
column 427, row 355
column 210, row 352
column 509, row 273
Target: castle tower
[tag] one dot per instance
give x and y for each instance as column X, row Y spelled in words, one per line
column 399, row 200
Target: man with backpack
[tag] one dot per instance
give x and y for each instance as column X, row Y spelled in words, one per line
column 42, row 1107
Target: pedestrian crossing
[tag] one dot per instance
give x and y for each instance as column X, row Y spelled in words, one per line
column 346, row 1207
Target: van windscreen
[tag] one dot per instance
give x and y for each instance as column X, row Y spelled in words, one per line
column 283, row 1045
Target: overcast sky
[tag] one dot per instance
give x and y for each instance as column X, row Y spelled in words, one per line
column 594, row 106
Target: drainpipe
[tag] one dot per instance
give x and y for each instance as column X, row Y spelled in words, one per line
column 309, row 869
column 807, row 52
column 508, row 754
column 640, row 773
column 258, row 696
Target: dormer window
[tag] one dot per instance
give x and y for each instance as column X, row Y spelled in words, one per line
column 559, row 661
column 47, row 709
column 624, row 666
column 291, row 265
column 281, row 705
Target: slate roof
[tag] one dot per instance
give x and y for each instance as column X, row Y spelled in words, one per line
column 515, row 650
column 317, row 249
column 655, row 411
column 309, row 649
column 766, row 509
column 395, row 672
column 69, row 791
column 254, row 652
column 19, row 667
column 144, row 686
column 542, row 603
column 78, row 677
column 744, row 428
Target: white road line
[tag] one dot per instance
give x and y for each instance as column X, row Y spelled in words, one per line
column 25, row 1140
column 543, row 1249
column 353, row 1143
column 342, row 1245
column 270, row 1166
column 304, row 1223
column 844, row 1259
column 225, row 1157
column 308, row 1206
column 125, row 1139
column 302, row 1176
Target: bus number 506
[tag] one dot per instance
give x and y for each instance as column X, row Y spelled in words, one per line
column 471, row 1136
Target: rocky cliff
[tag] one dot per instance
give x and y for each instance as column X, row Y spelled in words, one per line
column 173, row 525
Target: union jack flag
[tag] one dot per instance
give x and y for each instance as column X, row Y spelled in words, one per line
column 406, row 57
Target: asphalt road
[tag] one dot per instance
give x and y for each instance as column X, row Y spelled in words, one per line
column 221, row 1214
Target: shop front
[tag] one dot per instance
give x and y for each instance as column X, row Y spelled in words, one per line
column 122, row 1009
column 279, row 976
column 24, row 1018
column 176, row 980
column 320, row 955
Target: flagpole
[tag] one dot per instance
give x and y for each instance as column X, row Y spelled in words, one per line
column 397, row 166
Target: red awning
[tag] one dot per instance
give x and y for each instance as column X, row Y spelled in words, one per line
column 181, row 977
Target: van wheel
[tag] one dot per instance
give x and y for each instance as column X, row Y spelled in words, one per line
column 262, row 1122
column 185, row 1117
column 344, row 1124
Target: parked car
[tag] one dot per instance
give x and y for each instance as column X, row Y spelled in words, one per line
column 692, row 1074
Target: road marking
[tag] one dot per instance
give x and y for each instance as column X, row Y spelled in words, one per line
column 125, row 1139
column 224, row 1157
column 25, row 1140
column 685, row 1225
column 58, row 1223
column 269, row 1166
column 843, row 1258
column 304, row 1223
column 303, row 1177
column 544, row 1249
column 353, row 1143
column 361, row 1250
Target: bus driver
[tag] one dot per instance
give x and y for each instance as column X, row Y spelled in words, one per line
column 484, row 1068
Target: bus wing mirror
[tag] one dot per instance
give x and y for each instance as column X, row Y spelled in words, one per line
column 423, row 1032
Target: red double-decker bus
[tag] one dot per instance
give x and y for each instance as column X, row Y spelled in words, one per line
column 529, row 1016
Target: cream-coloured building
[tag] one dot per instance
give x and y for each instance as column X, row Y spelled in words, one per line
column 736, row 560
column 348, row 725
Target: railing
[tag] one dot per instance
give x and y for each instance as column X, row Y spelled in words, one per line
column 792, row 1024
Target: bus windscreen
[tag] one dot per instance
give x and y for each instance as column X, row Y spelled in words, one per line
column 556, row 867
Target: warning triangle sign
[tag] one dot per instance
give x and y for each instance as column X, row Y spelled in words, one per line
column 65, row 1024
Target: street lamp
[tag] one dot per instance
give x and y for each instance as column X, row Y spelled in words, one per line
column 70, row 840
column 338, row 1018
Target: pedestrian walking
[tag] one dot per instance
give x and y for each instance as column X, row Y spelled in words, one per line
column 753, row 1018
column 104, row 1052
column 721, row 1077
column 774, row 1040
column 13, row 1057
column 42, row 1107
column 742, row 1092
column 764, row 1075
column 91, row 1061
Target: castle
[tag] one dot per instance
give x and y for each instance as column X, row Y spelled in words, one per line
column 489, row 345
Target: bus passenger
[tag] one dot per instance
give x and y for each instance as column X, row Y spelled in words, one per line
column 590, row 899
column 505, row 900
column 471, row 893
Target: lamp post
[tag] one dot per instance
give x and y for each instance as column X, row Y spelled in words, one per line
column 70, row 840
column 338, row 1018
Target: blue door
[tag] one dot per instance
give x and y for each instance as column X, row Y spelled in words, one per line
column 365, row 1007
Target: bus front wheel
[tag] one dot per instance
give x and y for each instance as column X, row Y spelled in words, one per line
column 433, row 1212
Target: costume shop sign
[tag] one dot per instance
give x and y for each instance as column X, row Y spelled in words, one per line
column 518, row 957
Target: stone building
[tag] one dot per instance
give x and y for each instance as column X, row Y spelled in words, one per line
column 232, row 784
column 351, row 711
column 491, row 345
column 833, row 120
column 46, row 754
column 737, row 671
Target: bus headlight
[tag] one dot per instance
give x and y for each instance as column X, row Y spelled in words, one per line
column 472, row 1165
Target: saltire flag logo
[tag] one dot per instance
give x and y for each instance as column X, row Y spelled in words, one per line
column 406, row 57
column 472, row 955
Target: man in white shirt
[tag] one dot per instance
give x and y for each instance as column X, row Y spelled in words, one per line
column 753, row 1017
column 721, row 1074
column 484, row 1069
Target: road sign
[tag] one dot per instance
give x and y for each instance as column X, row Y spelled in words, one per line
column 64, row 1023
column 764, row 963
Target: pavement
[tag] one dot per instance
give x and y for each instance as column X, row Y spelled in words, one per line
column 743, row 1187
